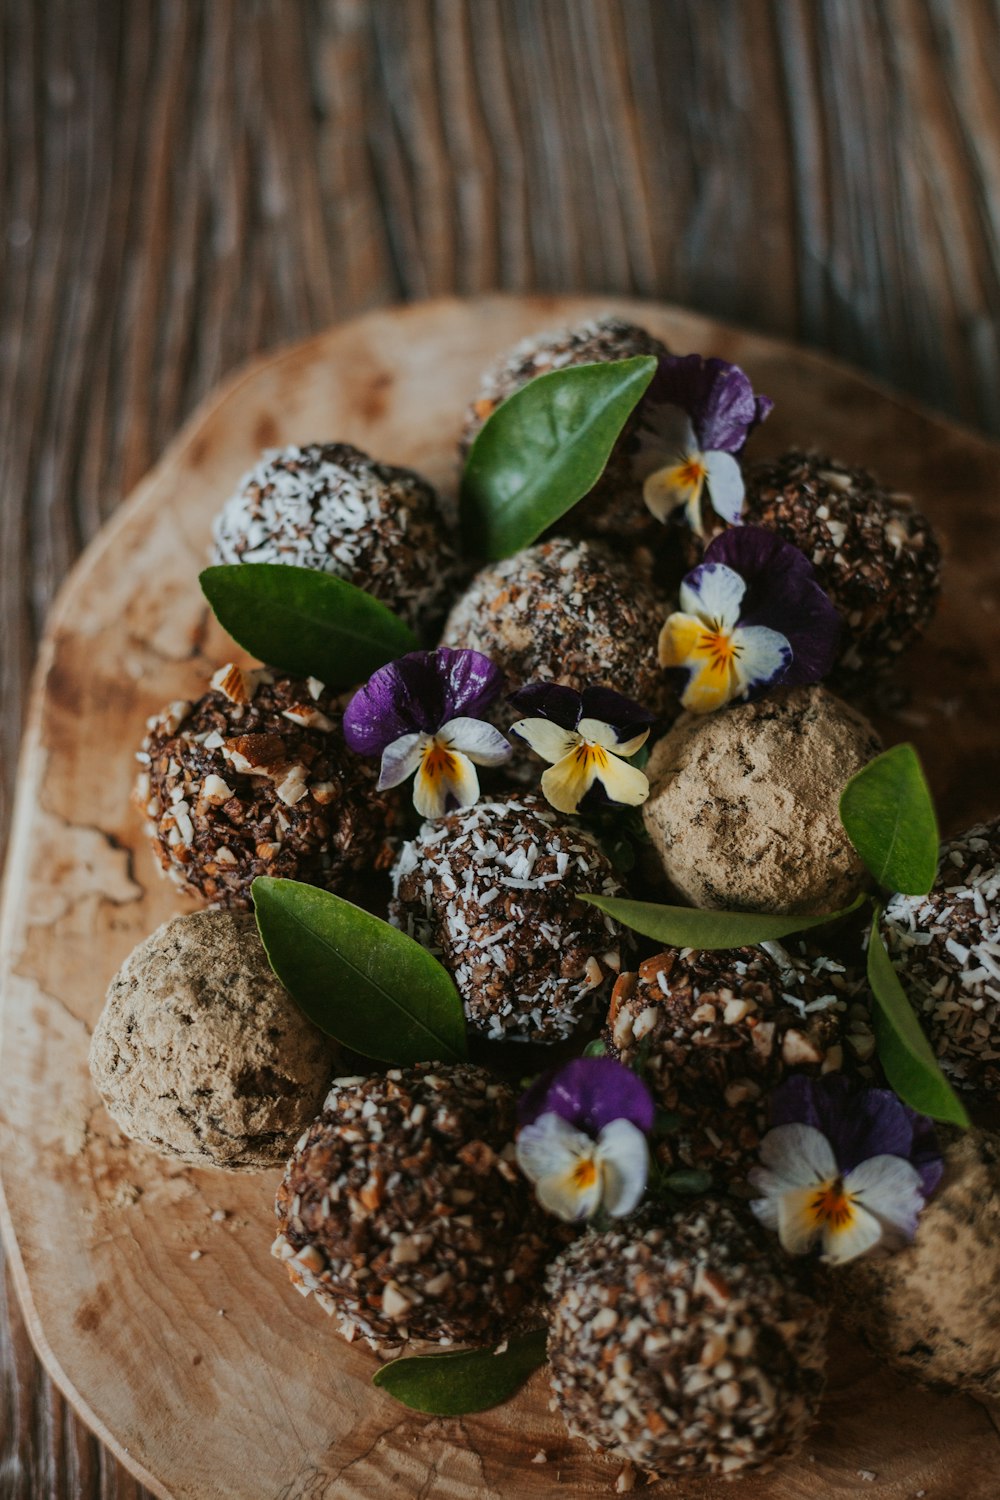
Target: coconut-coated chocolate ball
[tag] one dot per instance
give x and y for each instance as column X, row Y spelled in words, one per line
column 715, row 1032
column 684, row 1346
column 877, row 558
column 331, row 507
column 255, row 779
column 932, row 1309
column 614, row 509
column 403, row 1211
column 493, row 891
column 946, row 948
column 743, row 807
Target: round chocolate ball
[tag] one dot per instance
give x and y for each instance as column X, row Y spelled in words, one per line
column 255, row 779
column 614, row 508
column 932, row 1310
column 877, row 558
column 684, row 1346
column 403, row 1211
column 946, row 948
column 715, row 1032
column 331, row 507
column 200, row 1053
column 565, row 611
column 493, row 891
column 743, row 803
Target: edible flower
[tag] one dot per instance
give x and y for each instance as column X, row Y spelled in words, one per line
column 847, row 1171
column 587, row 738
column 698, row 414
column 583, row 1138
column 751, row 615
column 422, row 714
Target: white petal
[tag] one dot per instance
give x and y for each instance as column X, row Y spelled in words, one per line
column 624, row 1158
column 890, row 1189
column 400, row 760
column 550, row 1145
column 564, row 1197
column 437, row 788
column 717, row 597
column 762, row 654
column 798, row 1228
column 797, row 1156
column 764, row 1209
column 548, row 740
column 623, row 783
column 600, row 733
column 863, row 1233
column 480, row 741
column 724, row 481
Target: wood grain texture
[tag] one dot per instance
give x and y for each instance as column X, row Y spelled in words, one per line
column 175, row 1333
column 185, row 182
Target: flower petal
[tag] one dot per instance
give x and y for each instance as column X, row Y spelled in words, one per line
column 563, row 1165
column 625, row 716
column 470, row 682
column 678, row 484
column 762, row 656
column 565, row 784
column 480, row 741
column 714, row 592
column 724, row 482
column 548, row 740
column 598, row 732
column 589, row 1092
column 624, row 1159
column 445, row 780
column 798, row 1226
column 861, row 1232
column 716, row 395
column 624, row 784
column 860, row 1123
column 798, row 1155
column 891, row 1190
column 550, row 700
column 401, row 759
column 419, row 691
column 679, row 639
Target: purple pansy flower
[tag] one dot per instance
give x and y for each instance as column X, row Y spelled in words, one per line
column 698, row 414
column 849, row 1170
column 582, row 1140
column 751, row 615
column 422, row 714
column 587, row 738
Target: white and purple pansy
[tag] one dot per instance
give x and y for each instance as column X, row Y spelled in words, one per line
column 422, row 715
column 751, row 616
column 587, row 738
column 697, row 416
column 582, row 1140
column 842, row 1170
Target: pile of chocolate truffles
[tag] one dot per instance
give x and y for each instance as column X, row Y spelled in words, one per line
column 681, row 1340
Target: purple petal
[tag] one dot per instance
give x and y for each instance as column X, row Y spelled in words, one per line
column 418, row 693
column 589, row 1092
column 626, row 717
column 783, row 594
column 548, row 700
column 716, row 395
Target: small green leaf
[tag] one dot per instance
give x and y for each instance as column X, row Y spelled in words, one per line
column 451, row 1385
column 686, row 927
column 358, row 979
column 888, row 814
column 687, row 1181
column 905, row 1053
column 305, row 622
column 543, row 449
column 597, row 1048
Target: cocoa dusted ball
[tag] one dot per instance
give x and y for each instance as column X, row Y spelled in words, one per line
column 493, row 891
column 569, row 612
column 255, row 779
column 331, row 507
column 715, row 1032
column 877, row 558
column 403, row 1211
column 614, row 508
column 684, row 1346
column 946, row 947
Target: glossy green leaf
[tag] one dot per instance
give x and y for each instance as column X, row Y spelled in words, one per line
column 451, row 1385
column 888, row 814
column 543, row 449
column 358, row 979
column 305, row 622
column 686, row 927
column 904, row 1051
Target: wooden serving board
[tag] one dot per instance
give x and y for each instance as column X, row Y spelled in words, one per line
column 170, row 1328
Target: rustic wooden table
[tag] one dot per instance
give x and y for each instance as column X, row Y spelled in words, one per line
column 187, row 183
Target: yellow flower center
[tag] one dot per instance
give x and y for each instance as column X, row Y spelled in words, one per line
column 438, row 762
column 584, row 1174
column 719, row 647
column 691, row 474
column 586, row 755
column 831, row 1207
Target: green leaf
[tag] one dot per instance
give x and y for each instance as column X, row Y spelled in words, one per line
column 686, row 927
column 305, row 622
column 905, row 1053
column 687, row 1181
column 450, row 1385
column 543, row 449
column 888, row 814
column 597, row 1048
column 358, row 979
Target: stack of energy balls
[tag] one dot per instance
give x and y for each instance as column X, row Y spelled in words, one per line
column 682, row 1339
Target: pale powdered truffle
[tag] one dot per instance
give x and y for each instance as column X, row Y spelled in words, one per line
column 200, row 1052
column 743, row 807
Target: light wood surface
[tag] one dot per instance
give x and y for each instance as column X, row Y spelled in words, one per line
column 208, row 1375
